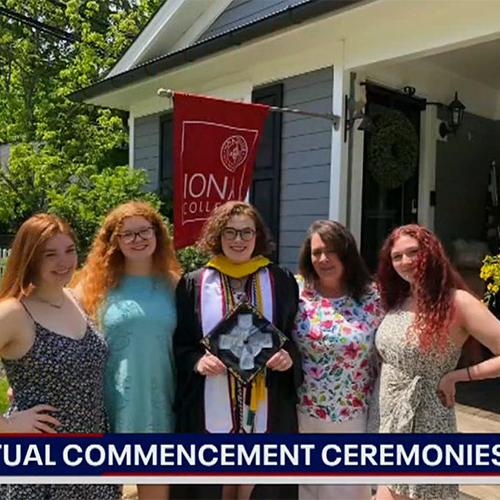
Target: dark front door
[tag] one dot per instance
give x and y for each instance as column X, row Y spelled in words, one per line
column 265, row 187
column 384, row 209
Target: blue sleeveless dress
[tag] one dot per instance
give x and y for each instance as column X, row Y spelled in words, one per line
column 138, row 319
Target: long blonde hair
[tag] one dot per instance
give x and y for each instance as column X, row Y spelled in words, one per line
column 26, row 253
column 105, row 262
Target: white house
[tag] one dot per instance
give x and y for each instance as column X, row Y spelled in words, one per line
column 319, row 55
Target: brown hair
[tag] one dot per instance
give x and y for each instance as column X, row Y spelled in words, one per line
column 339, row 240
column 105, row 262
column 211, row 233
column 26, row 253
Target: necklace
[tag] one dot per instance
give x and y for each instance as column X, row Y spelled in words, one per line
column 237, row 289
column 237, row 284
column 49, row 303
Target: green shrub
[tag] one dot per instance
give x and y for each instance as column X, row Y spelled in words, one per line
column 4, row 401
column 190, row 258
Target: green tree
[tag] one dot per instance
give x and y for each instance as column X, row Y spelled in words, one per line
column 29, row 61
column 66, row 154
column 41, row 181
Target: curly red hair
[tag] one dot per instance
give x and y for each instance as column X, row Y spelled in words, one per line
column 105, row 262
column 435, row 279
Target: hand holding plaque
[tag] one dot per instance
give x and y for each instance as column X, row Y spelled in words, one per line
column 244, row 341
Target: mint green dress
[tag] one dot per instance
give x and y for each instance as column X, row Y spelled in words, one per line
column 138, row 319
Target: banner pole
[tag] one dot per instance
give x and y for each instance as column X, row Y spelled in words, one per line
column 335, row 119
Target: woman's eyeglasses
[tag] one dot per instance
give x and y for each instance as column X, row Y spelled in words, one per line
column 130, row 236
column 230, row 233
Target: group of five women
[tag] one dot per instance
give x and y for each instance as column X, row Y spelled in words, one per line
column 358, row 354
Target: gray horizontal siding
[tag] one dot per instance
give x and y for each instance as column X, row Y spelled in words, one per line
column 312, row 104
column 306, row 142
column 315, row 174
column 241, row 12
column 304, row 207
column 306, row 191
column 296, row 128
column 299, row 159
column 147, row 148
column 290, row 222
column 289, row 254
column 306, row 153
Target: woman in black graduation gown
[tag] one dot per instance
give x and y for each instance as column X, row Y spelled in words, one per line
column 237, row 240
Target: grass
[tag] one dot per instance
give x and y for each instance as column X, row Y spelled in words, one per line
column 4, row 402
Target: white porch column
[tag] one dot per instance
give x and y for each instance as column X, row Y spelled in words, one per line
column 337, row 209
column 131, row 140
column 356, row 166
column 427, row 165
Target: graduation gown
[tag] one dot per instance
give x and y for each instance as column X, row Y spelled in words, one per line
column 281, row 386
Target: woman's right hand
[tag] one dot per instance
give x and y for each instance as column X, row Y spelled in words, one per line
column 210, row 365
column 32, row 421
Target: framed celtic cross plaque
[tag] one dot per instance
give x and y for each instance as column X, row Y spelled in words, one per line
column 244, row 341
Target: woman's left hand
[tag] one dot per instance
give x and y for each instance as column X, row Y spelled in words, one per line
column 281, row 361
column 447, row 390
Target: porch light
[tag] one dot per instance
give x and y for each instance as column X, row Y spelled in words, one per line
column 455, row 111
column 366, row 123
column 353, row 111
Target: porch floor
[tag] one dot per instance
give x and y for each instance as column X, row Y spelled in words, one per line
column 471, row 419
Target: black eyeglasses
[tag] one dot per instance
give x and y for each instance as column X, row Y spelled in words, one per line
column 230, row 233
column 145, row 233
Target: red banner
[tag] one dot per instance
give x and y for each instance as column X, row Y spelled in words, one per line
column 215, row 144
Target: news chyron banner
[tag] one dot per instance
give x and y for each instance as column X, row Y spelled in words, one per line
column 256, row 458
column 215, row 145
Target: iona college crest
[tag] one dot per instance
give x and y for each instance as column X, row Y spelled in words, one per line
column 234, row 152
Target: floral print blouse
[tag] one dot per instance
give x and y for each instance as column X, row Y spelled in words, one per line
column 336, row 339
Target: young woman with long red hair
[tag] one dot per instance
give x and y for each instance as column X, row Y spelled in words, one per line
column 127, row 286
column 430, row 315
column 53, row 356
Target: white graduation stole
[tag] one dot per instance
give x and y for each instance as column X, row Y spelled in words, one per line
column 218, row 414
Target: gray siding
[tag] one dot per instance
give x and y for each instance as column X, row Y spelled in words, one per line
column 147, row 148
column 306, row 151
column 241, row 12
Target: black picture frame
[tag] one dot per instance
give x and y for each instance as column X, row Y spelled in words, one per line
column 241, row 350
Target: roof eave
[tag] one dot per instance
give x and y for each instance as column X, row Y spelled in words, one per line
column 280, row 20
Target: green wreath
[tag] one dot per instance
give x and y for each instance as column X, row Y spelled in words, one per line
column 393, row 149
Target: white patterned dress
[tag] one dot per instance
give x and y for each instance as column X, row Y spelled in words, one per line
column 405, row 399
column 336, row 340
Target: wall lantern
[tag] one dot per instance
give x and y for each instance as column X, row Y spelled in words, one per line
column 455, row 111
column 354, row 111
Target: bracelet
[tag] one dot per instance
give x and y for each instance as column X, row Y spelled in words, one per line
column 468, row 373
